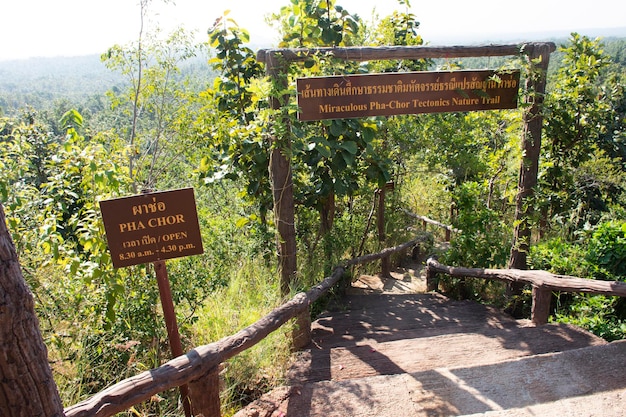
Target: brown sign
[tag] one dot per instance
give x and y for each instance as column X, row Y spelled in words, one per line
column 152, row 227
column 348, row 96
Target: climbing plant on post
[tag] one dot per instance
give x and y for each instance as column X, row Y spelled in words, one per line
column 27, row 387
column 538, row 58
column 281, row 175
column 281, row 178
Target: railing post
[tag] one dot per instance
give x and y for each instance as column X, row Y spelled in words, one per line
column 432, row 283
column 538, row 59
column 415, row 252
column 204, row 394
column 385, row 263
column 541, row 305
column 452, row 215
column 301, row 335
column 165, row 292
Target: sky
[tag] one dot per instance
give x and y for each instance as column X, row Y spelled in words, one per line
column 44, row 28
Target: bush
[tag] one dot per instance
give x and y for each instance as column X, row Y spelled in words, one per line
column 484, row 241
column 602, row 257
column 607, row 251
column 597, row 313
column 559, row 257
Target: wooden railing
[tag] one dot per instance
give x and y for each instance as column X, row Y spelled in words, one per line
column 542, row 282
column 203, row 361
column 425, row 220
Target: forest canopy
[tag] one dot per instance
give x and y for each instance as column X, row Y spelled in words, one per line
column 169, row 113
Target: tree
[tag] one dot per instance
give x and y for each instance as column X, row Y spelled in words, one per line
column 155, row 101
column 583, row 152
column 538, row 59
column 27, row 387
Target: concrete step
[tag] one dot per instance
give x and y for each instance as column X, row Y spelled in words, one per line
column 386, row 335
column 603, row 404
column 384, row 355
column 581, row 382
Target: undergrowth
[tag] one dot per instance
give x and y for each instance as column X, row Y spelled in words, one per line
column 253, row 291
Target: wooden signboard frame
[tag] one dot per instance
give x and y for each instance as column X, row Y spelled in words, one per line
column 152, row 227
column 278, row 62
column 388, row 94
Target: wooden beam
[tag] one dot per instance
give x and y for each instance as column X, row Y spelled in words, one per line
column 542, row 279
column 431, row 221
column 399, row 52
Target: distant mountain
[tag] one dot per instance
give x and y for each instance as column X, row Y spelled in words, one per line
column 37, row 68
column 557, row 36
column 39, row 82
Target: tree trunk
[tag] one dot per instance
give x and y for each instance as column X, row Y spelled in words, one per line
column 27, row 388
column 282, row 183
column 538, row 56
column 327, row 218
column 385, row 263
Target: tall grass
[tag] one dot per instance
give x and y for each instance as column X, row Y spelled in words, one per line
column 251, row 293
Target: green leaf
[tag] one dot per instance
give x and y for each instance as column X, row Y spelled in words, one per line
column 348, row 158
column 339, row 163
column 324, row 151
column 336, row 128
column 242, row 222
column 350, row 146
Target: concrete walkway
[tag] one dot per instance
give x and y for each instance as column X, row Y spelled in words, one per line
column 384, row 353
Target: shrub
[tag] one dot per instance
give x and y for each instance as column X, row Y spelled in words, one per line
column 607, row 251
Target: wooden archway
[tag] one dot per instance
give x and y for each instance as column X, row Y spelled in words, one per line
column 537, row 55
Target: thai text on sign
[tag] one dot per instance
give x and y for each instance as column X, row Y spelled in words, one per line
column 388, row 94
column 151, row 227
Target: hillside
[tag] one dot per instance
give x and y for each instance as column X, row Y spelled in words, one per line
column 39, row 82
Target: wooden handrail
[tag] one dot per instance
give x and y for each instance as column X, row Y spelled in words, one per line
column 196, row 363
column 431, row 221
column 543, row 283
column 203, row 360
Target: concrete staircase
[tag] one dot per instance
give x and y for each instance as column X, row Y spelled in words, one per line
column 425, row 355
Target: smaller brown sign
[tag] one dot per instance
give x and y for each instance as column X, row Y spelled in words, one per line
column 388, row 94
column 152, row 227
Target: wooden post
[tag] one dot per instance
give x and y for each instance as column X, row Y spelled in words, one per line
column 538, row 57
column 452, row 214
column 385, row 263
column 541, row 305
column 205, row 395
column 415, row 252
column 281, row 179
column 301, row 336
column 284, row 207
column 431, row 280
column 169, row 314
